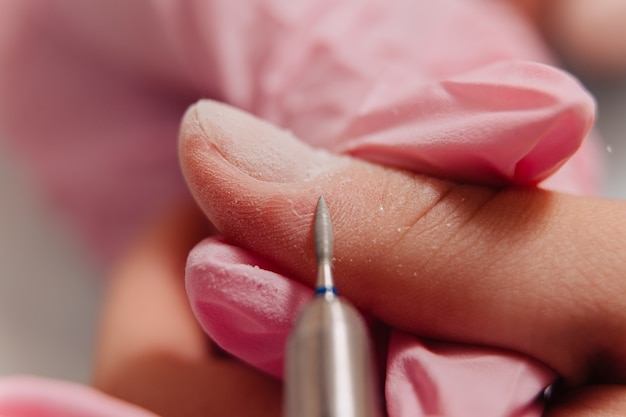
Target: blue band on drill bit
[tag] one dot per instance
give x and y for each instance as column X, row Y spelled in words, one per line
column 325, row 290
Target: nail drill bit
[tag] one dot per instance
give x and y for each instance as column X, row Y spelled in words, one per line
column 323, row 235
column 329, row 368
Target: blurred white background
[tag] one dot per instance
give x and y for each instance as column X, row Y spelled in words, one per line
column 611, row 124
column 49, row 289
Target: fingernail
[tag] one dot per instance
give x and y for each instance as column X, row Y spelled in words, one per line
column 259, row 149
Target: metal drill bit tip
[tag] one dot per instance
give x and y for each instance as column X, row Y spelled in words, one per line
column 323, row 234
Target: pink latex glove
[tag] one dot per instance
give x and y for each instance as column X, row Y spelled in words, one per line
column 426, row 75
column 38, row 397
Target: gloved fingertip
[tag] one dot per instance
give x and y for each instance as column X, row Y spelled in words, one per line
column 243, row 304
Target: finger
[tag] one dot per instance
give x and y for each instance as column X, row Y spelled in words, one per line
column 243, row 302
column 592, row 401
column 517, row 268
column 146, row 311
column 214, row 388
column 151, row 350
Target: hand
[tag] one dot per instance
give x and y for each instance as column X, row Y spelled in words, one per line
column 502, row 268
column 522, row 269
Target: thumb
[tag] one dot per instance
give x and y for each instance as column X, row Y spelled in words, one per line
column 523, row 269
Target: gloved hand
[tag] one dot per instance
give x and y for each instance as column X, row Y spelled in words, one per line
column 407, row 246
column 442, row 248
column 256, row 184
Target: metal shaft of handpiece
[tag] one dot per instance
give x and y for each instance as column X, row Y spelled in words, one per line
column 329, row 368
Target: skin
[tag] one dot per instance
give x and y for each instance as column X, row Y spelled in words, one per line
column 151, row 350
column 533, row 271
column 589, row 35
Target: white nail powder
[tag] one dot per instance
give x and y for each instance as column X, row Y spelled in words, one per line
column 261, row 150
